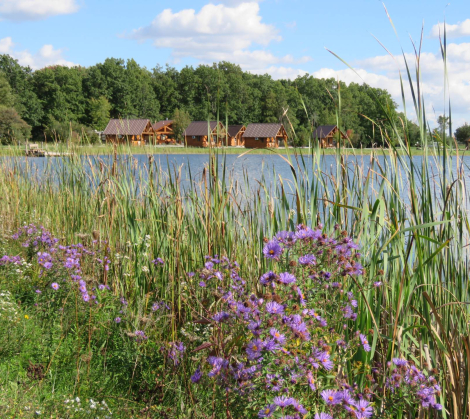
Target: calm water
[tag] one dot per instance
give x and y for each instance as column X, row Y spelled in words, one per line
column 263, row 168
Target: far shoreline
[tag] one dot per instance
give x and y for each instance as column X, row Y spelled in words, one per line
column 108, row 150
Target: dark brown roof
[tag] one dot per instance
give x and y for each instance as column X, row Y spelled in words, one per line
column 323, row 130
column 262, row 130
column 161, row 124
column 126, row 127
column 200, row 127
column 233, row 130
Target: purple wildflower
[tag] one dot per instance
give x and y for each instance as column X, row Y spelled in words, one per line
column 311, row 381
column 283, row 401
column 364, row 342
column 196, row 377
column 274, row 308
column 117, row 320
column 267, row 411
column 286, row 278
column 272, row 250
column 363, row 409
column 254, row 349
column 55, row 286
column 331, row 397
column 279, row 338
column 85, row 297
column 307, row 260
column 323, row 416
column 221, row 317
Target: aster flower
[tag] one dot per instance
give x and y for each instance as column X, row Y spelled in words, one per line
column 363, row 409
column 311, row 381
column 117, row 320
column 283, row 401
column 254, row 348
column 286, row 237
column 280, row 338
column 274, row 308
column 301, row 296
column 272, row 250
column 274, row 382
column 267, row 411
column 325, row 360
column 101, row 287
column 55, row 286
column 323, row 416
column 221, row 317
column 331, row 397
column 307, row 260
column 400, row 362
column 286, row 278
column 196, row 377
column 364, row 343
column 85, row 297
column 268, row 278
column 377, row 284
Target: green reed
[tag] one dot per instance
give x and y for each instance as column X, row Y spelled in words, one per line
column 410, row 219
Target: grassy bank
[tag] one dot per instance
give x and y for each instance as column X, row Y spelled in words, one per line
column 413, row 238
column 165, row 150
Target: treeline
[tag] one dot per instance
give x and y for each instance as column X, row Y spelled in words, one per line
column 58, row 102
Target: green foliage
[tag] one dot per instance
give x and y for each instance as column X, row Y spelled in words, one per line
column 73, row 132
column 78, row 94
column 181, row 121
column 462, row 134
column 12, row 128
column 6, row 96
column 99, row 111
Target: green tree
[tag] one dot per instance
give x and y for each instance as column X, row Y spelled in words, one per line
column 6, row 96
column 12, row 128
column 181, row 121
column 99, row 111
column 462, row 134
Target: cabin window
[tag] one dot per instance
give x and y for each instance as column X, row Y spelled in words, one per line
column 194, row 137
column 256, row 139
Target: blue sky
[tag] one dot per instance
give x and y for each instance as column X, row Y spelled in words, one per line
column 284, row 38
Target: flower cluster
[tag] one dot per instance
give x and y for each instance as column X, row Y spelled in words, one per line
column 405, row 377
column 291, row 339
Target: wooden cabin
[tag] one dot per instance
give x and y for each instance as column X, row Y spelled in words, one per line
column 133, row 131
column 205, row 134
column 328, row 135
column 264, row 135
column 235, row 135
column 164, row 132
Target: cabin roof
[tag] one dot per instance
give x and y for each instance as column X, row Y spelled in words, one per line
column 323, row 131
column 233, row 130
column 262, row 130
column 200, row 127
column 126, row 126
column 161, row 124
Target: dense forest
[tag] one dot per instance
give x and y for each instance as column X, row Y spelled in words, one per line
column 58, row 102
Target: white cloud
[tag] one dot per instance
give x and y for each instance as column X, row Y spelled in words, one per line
column 452, row 31
column 218, row 32
column 20, row 10
column 382, row 72
column 46, row 56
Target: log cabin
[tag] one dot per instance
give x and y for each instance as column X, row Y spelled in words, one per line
column 164, row 132
column 264, row 135
column 197, row 134
column 129, row 131
column 327, row 135
column 235, row 135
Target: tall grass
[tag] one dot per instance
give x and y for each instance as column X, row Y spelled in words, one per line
column 411, row 220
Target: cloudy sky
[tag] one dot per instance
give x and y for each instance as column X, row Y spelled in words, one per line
column 283, row 38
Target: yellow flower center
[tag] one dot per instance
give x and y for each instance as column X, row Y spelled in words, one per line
column 267, row 411
column 277, row 334
column 255, row 348
column 271, row 252
column 330, row 398
column 363, row 409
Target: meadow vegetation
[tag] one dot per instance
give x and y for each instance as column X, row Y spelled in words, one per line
column 341, row 292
